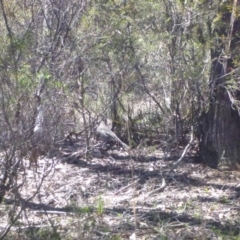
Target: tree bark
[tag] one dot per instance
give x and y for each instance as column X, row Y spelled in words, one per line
column 220, row 125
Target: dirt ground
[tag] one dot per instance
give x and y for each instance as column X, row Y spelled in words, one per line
column 118, row 195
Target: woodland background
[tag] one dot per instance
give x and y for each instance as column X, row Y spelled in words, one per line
column 165, row 73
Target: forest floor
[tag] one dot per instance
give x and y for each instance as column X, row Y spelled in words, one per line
column 118, row 196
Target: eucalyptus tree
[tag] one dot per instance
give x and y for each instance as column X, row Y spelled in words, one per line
column 220, row 125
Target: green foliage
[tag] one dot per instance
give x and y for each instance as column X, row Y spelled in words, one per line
column 83, row 210
column 224, row 200
column 24, row 79
column 100, row 206
column 170, row 44
column 46, row 234
column 116, row 237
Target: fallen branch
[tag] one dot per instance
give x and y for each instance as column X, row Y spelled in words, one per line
column 185, row 151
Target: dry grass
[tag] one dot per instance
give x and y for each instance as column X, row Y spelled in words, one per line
column 109, row 198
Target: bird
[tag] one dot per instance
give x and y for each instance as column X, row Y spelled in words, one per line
column 105, row 134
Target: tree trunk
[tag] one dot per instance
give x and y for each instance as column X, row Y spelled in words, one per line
column 220, row 126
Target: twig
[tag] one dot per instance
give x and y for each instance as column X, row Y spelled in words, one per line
column 161, row 188
column 50, row 212
column 126, row 187
column 187, row 148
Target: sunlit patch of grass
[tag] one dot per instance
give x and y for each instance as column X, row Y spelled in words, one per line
column 100, row 206
column 224, row 200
